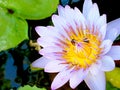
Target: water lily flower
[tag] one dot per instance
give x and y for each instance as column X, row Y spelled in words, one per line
column 78, row 47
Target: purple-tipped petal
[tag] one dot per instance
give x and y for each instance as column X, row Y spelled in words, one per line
column 114, row 24
column 70, row 13
column 77, row 78
column 61, row 78
column 52, row 56
column 94, row 69
column 47, row 31
column 96, row 82
column 86, row 7
column 94, row 12
column 42, row 31
column 102, row 31
column 106, row 45
column 107, row 63
column 41, row 62
column 101, row 21
column 114, row 52
column 112, row 34
column 46, row 41
column 67, row 13
column 61, row 24
column 79, row 19
column 61, row 11
column 50, row 49
column 54, row 66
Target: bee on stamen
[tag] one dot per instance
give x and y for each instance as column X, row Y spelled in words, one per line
column 73, row 41
column 86, row 40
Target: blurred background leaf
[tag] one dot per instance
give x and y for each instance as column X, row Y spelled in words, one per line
column 114, row 77
column 109, row 86
column 27, row 87
column 31, row 9
column 13, row 30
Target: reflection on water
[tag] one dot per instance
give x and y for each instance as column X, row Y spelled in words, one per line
column 10, row 71
column 15, row 68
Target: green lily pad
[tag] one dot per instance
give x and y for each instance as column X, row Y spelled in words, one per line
column 31, row 9
column 109, row 86
column 13, row 30
column 27, row 87
column 114, row 77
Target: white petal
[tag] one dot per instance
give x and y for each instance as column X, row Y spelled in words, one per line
column 107, row 63
column 106, row 45
column 77, row 78
column 48, row 31
column 46, row 41
column 101, row 21
column 96, row 82
column 114, row 24
column 41, row 62
column 67, row 13
column 64, row 12
column 112, row 34
column 93, row 14
column 42, row 31
column 86, row 7
column 55, row 66
column 61, row 11
column 50, row 49
column 114, row 52
column 79, row 18
column 102, row 31
column 52, row 56
column 61, row 79
column 94, row 69
column 53, row 31
column 61, row 24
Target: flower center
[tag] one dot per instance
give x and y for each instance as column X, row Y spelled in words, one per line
column 83, row 49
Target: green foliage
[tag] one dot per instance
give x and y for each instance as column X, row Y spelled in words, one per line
column 31, row 9
column 35, row 69
column 13, row 30
column 13, row 15
column 114, row 77
column 27, row 87
column 109, row 86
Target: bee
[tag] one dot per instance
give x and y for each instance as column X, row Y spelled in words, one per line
column 86, row 40
column 73, row 41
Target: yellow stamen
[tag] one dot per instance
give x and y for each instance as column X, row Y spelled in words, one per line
column 83, row 49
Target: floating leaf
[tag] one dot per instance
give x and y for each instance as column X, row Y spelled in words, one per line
column 13, row 30
column 114, row 77
column 27, row 87
column 31, row 9
column 109, row 86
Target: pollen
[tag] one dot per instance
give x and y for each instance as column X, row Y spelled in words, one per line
column 83, row 48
